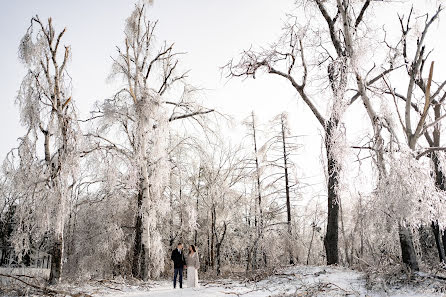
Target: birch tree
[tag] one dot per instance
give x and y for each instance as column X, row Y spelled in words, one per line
column 44, row 182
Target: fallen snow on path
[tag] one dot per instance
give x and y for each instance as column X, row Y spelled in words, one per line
column 296, row 281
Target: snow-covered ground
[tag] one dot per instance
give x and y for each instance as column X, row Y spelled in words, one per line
column 296, row 281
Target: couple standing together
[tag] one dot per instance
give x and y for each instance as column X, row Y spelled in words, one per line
column 180, row 261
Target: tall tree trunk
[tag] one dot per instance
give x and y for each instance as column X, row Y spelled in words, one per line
column 248, row 259
column 218, row 248
column 139, row 267
column 443, row 238
column 56, row 259
column 440, row 184
column 436, row 231
column 218, row 259
column 58, row 244
column 439, row 179
column 137, row 242
column 259, row 191
column 196, row 206
column 347, row 258
column 287, row 192
column 332, row 235
column 57, row 248
column 208, row 247
column 171, row 235
column 212, row 244
column 180, row 198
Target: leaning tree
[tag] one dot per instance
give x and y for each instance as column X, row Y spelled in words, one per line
column 422, row 98
column 386, row 158
column 328, row 65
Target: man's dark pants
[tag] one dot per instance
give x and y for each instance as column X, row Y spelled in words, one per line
column 176, row 272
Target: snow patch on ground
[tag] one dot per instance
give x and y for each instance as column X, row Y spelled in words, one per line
column 296, row 281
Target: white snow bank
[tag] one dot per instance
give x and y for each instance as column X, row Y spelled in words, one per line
column 296, row 281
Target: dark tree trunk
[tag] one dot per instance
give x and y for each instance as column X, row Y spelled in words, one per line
column 57, row 254
column 137, row 244
column 332, row 235
column 440, row 184
column 443, row 237
column 259, row 191
column 287, row 192
column 439, row 176
column 253, row 255
column 436, row 230
column 171, row 221
column 212, row 244
column 407, row 249
column 218, row 249
column 56, row 260
column 439, row 181
column 197, row 205
column 248, row 259
column 143, row 271
column 218, row 260
column 208, row 255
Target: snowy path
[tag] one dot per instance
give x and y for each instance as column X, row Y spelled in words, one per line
column 298, row 281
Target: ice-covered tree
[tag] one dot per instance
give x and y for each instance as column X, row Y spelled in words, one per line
column 44, row 167
column 281, row 150
column 134, row 123
column 221, row 200
column 289, row 59
column 381, row 119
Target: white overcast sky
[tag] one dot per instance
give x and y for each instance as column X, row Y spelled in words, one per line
column 210, row 31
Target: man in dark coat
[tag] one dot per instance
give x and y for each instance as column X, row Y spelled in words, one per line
column 178, row 264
